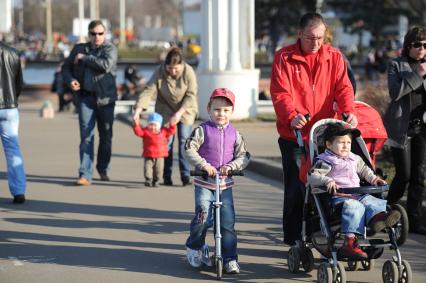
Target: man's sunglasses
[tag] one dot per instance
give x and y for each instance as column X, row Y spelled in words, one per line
column 96, row 33
column 418, row 44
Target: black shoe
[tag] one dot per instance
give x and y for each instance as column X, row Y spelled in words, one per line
column 186, row 181
column 147, row 184
column 418, row 229
column 19, row 199
column 167, row 182
column 154, row 184
column 104, row 177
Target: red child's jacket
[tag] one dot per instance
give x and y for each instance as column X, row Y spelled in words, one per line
column 154, row 145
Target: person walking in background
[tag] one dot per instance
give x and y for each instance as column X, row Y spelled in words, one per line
column 155, row 140
column 174, row 85
column 10, row 89
column 308, row 77
column 61, row 89
column 405, row 124
column 90, row 71
column 202, row 150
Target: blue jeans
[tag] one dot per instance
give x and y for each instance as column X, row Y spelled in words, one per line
column 203, row 220
column 88, row 115
column 9, row 124
column 356, row 213
column 183, row 132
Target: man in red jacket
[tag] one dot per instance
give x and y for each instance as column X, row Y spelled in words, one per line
column 308, row 77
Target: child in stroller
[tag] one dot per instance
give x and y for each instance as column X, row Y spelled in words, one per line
column 321, row 226
column 338, row 167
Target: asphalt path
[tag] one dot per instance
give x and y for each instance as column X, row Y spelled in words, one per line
column 121, row 231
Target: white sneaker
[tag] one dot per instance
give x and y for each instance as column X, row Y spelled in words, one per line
column 194, row 257
column 232, row 267
column 205, row 258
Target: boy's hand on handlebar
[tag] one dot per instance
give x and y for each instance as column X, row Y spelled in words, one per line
column 211, row 171
column 331, row 187
column 224, row 170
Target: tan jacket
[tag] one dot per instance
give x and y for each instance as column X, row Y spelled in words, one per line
column 172, row 94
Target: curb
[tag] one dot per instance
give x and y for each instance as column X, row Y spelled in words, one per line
column 266, row 168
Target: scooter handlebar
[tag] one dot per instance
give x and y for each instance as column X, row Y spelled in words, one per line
column 203, row 173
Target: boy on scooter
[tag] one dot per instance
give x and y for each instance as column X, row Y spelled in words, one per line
column 215, row 147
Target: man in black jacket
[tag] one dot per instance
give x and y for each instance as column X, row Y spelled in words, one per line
column 90, row 71
column 10, row 89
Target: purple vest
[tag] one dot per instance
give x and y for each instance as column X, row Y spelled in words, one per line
column 343, row 170
column 218, row 146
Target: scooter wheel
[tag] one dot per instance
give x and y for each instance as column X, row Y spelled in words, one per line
column 219, row 268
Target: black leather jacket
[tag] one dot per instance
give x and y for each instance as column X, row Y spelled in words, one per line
column 101, row 63
column 11, row 77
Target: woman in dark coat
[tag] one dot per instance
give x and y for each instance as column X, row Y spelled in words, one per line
column 404, row 122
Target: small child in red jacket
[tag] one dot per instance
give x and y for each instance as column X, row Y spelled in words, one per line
column 155, row 140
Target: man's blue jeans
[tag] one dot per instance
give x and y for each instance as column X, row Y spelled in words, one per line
column 88, row 115
column 183, row 132
column 356, row 213
column 203, row 220
column 9, row 124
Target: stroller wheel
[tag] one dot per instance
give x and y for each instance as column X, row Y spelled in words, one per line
column 341, row 273
column 390, row 272
column 401, row 228
column 293, row 259
column 352, row 265
column 406, row 274
column 307, row 260
column 368, row 264
column 324, row 274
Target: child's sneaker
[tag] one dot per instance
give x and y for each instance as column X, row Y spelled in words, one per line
column 194, row 257
column 352, row 250
column 392, row 217
column 205, row 258
column 232, row 267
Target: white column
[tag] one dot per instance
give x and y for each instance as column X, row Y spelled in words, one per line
column 122, row 23
column 81, row 19
column 206, row 36
column 49, row 39
column 94, row 9
column 233, row 63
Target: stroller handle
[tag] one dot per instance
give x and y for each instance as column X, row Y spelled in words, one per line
column 355, row 190
column 204, row 174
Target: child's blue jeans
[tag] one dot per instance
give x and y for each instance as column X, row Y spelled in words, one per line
column 203, row 220
column 356, row 213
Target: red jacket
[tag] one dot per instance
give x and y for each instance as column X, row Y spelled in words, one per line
column 294, row 90
column 154, row 145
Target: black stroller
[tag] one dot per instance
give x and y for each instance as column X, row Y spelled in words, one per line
column 321, row 227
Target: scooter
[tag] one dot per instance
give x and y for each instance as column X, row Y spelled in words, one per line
column 218, row 260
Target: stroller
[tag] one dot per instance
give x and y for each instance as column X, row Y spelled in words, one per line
column 321, row 223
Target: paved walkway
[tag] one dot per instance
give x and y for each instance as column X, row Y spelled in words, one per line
column 120, row 231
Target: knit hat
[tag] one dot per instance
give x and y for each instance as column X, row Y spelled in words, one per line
column 338, row 130
column 224, row 92
column 154, row 117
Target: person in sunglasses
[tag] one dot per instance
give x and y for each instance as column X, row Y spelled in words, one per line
column 90, row 71
column 405, row 125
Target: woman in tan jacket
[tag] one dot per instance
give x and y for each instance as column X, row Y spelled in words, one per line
column 174, row 86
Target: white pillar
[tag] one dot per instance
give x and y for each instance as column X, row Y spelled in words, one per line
column 122, row 23
column 49, row 38
column 223, row 42
column 233, row 63
column 206, row 36
column 81, row 19
column 94, row 9
column 219, row 34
